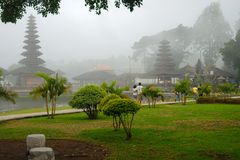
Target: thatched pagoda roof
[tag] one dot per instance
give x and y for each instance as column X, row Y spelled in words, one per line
column 96, row 76
column 187, row 70
column 31, row 70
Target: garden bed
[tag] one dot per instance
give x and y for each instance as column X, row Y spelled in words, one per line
column 63, row 149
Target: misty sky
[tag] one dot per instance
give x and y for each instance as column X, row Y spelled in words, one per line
column 77, row 34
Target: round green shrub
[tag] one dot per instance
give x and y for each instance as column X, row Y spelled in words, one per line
column 87, row 98
column 121, row 106
column 106, row 99
column 123, row 111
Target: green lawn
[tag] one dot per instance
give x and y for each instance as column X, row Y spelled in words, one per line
column 167, row 132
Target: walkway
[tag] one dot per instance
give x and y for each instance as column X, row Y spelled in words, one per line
column 38, row 114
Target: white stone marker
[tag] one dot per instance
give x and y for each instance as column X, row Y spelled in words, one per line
column 35, row 140
column 41, row 153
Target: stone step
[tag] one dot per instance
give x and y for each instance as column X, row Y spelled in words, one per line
column 35, row 141
column 41, row 153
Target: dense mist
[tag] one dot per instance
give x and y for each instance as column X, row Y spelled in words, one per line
column 76, row 40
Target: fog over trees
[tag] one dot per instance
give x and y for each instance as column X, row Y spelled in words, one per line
column 203, row 40
column 76, row 41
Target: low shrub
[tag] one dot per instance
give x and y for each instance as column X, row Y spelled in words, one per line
column 87, row 98
column 124, row 110
column 220, row 100
column 104, row 104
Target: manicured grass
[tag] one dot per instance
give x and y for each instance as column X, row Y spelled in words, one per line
column 31, row 110
column 167, row 132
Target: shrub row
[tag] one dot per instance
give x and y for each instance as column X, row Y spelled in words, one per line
column 221, row 100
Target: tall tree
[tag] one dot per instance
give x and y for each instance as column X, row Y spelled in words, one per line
column 199, row 77
column 199, row 67
column 231, row 53
column 210, row 33
column 12, row 10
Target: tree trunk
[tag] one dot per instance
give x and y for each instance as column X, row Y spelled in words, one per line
column 126, row 129
column 149, row 102
column 46, row 104
column 52, row 116
column 55, row 104
column 184, row 99
column 116, row 123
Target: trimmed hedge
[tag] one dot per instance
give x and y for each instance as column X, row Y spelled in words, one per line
column 221, row 100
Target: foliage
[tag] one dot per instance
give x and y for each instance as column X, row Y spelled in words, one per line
column 210, row 32
column 231, row 53
column 183, row 87
column 52, row 88
column 104, row 104
column 12, row 10
column 152, row 92
column 113, row 88
column 217, row 100
column 106, row 99
column 87, row 98
column 227, row 88
column 7, row 94
column 124, row 109
column 205, row 89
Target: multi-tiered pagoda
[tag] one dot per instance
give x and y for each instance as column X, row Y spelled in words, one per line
column 164, row 67
column 31, row 64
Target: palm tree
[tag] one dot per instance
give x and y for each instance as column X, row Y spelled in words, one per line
column 61, row 86
column 7, row 94
column 55, row 87
column 41, row 91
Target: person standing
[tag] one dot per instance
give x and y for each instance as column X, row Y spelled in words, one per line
column 177, row 96
column 135, row 91
column 195, row 92
column 139, row 92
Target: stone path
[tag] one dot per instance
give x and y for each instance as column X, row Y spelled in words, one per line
column 38, row 114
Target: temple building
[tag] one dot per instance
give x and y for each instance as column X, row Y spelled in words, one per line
column 101, row 73
column 200, row 74
column 164, row 70
column 31, row 64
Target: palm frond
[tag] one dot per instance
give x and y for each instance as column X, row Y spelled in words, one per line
column 8, row 95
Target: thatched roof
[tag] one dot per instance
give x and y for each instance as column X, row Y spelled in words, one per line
column 187, row 70
column 31, row 70
column 212, row 70
column 96, row 76
column 218, row 72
